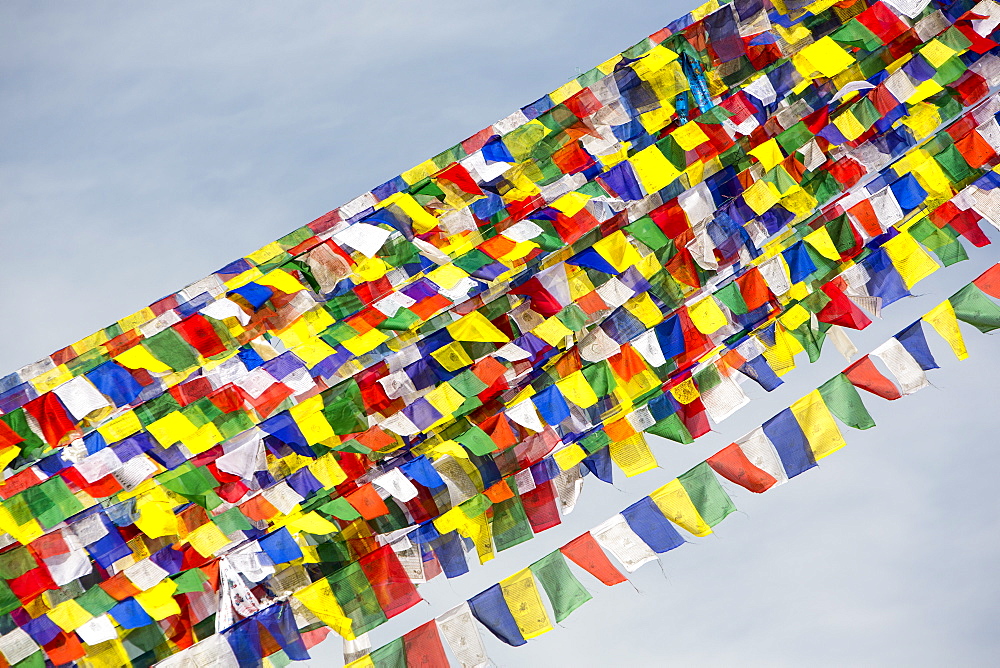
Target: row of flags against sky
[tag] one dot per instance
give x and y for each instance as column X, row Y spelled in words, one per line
column 462, row 343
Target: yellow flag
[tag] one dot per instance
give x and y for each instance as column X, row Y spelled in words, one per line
column 314, row 523
column 570, row 456
column 452, row 356
column 138, row 357
column 110, row 654
column 282, row 280
column 70, row 615
column 365, row 343
column 207, row 539
column 319, row 600
column 690, row 136
column 768, row 153
column 761, row 196
column 171, row 428
column 632, row 455
column 942, row 319
column 653, row 169
column 476, row 327
column 525, row 604
column 707, row 316
column 552, row 331
column 673, row 501
column 817, row 423
column 576, row 388
column 445, row 399
column 159, row 601
column 617, row 250
column 911, row 261
column 156, row 514
column 821, row 241
column 826, row 56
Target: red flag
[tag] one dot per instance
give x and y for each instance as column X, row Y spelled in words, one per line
column 841, row 310
column 588, row 555
column 989, row 281
column 367, row 502
column 392, row 587
column 540, row 507
column 865, row 375
column 733, row 465
column 200, row 334
column 51, row 416
column 423, row 647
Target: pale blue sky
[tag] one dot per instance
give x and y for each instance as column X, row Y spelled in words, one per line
column 146, row 144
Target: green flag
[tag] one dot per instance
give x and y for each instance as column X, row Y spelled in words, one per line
column 843, row 400
column 565, row 592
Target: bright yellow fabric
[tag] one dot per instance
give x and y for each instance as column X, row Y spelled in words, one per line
column 632, row 455
column 653, row 169
column 617, row 250
column 673, row 501
column 825, row 56
column 571, row 203
column 422, row 221
column 707, row 316
column 817, row 423
column 314, row 523
column 207, row 539
column 923, row 91
column 942, row 319
column 911, row 261
column 552, row 331
column 70, row 615
column 576, row 389
column 313, row 351
column 120, row 428
column 445, row 399
column 821, row 241
column 52, row 378
column 138, row 357
column 314, row 427
column 761, row 196
column 159, row 601
column 110, row 654
column 849, row 125
column 156, row 513
column 328, row 471
column 643, row 308
column 452, row 356
column 281, row 280
column 768, row 153
column 171, row 428
column 476, row 327
column 922, row 119
column 685, row 391
column 365, row 343
column 690, row 136
column 525, row 604
column 937, row 53
column 205, row 438
column 570, row 456
column 320, row 600
column 794, row 317
column 447, row 276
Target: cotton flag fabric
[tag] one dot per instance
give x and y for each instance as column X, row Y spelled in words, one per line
column 427, row 369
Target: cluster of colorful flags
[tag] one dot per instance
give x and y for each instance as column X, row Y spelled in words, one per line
column 784, row 446
column 295, row 441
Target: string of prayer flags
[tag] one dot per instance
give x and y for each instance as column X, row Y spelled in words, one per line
column 421, row 372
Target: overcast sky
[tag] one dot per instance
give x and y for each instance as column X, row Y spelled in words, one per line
column 144, row 145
